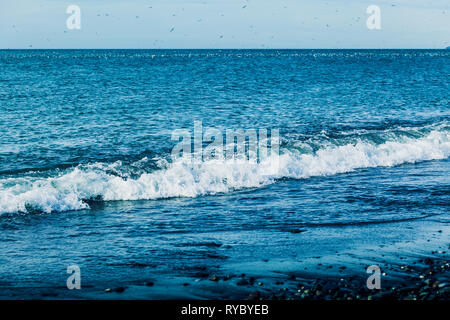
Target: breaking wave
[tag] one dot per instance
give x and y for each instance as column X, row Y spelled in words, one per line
column 72, row 188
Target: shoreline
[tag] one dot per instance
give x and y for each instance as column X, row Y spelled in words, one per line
column 428, row 279
column 415, row 268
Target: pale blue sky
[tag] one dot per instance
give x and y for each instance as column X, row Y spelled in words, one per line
column 224, row 24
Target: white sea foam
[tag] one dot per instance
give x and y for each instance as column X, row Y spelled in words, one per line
column 190, row 179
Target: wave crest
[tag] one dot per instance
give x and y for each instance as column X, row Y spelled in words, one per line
column 71, row 189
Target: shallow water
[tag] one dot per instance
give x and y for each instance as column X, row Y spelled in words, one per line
column 86, row 176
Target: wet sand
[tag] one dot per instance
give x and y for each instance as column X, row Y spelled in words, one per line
column 416, row 269
column 322, row 264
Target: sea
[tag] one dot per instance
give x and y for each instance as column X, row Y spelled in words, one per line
column 88, row 176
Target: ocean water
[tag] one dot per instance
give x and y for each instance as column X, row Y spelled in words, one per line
column 87, row 178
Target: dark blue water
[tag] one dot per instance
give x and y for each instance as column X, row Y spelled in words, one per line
column 86, row 175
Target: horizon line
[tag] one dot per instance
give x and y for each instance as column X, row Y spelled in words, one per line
column 444, row 48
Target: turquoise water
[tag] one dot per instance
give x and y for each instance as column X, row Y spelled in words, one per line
column 87, row 178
